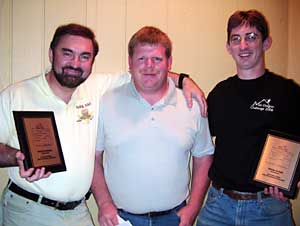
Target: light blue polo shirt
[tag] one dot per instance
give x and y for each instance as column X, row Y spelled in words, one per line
column 147, row 147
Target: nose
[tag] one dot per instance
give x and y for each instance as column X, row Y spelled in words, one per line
column 149, row 62
column 75, row 62
column 243, row 44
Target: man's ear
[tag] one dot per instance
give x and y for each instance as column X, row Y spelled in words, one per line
column 129, row 62
column 228, row 48
column 267, row 43
column 170, row 59
column 50, row 55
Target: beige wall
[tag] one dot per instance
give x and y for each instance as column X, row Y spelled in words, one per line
column 197, row 28
column 293, row 40
column 293, row 65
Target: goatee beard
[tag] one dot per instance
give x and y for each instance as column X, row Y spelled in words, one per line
column 67, row 80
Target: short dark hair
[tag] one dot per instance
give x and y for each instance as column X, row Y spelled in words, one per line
column 253, row 18
column 74, row 29
column 150, row 35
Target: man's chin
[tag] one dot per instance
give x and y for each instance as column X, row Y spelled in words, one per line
column 71, row 83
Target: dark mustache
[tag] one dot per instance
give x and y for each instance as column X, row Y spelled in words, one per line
column 73, row 68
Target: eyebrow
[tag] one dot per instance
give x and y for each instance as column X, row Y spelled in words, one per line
column 66, row 50
column 234, row 35
column 248, row 33
column 86, row 53
column 71, row 51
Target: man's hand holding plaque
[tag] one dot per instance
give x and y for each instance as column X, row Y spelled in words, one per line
column 275, row 193
column 31, row 174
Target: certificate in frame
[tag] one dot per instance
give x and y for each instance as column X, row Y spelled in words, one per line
column 278, row 164
column 39, row 140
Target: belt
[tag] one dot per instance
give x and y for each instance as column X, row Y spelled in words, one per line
column 48, row 202
column 156, row 213
column 241, row 195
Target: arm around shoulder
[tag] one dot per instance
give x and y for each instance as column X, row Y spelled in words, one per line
column 190, row 90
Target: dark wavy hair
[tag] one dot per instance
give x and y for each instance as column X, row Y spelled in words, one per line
column 74, row 29
column 253, row 18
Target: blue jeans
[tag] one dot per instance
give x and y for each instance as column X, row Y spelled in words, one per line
column 1, row 214
column 170, row 219
column 220, row 210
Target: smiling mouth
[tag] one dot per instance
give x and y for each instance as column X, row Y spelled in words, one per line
column 72, row 71
column 245, row 54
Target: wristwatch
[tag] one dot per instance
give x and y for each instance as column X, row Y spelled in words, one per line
column 180, row 79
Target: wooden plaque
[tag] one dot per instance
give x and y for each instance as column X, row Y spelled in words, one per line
column 39, row 140
column 279, row 163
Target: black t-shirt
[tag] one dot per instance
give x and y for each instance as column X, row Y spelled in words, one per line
column 240, row 112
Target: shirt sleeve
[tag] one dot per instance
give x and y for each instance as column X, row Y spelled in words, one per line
column 203, row 144
column 105, row 82
column 5, row 117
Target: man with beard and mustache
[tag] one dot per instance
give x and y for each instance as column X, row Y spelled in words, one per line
column 73, row 95
column 241, row 111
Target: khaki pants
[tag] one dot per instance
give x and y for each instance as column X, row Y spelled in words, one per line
column 19, row 211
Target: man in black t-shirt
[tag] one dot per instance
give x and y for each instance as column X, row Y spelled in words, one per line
column 241, row 109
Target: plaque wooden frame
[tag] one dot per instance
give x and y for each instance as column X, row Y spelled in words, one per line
column 39, row 140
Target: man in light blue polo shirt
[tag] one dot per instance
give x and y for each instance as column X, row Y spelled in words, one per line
column 147, row 134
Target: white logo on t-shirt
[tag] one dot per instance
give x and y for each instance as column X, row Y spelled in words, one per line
column 263, row 105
